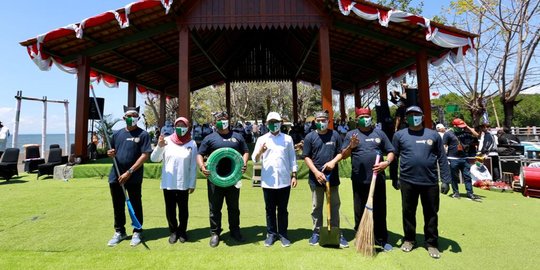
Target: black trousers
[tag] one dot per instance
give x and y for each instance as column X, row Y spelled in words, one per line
column 277, row 199
column 178, row 198
column 360, row 197
column 216, row 195
column 119, row 205
column 429, row 196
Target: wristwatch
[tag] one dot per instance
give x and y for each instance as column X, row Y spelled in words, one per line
column 130, row 171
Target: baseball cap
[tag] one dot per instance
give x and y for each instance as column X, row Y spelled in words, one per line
column 439, row 126
column 414, row 109
column 273, row 116
column 459, row 123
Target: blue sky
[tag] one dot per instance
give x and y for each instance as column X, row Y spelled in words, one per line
column 19, row 22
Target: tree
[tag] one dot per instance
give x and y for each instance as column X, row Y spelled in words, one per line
column 104, row 127
column 508, row 34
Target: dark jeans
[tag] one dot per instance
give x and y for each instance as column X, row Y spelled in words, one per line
column 178, row 198
column 360, row 197
column 119, row 205
column 216, row 195
column 429, row 196
column 277, row 199
column 461, row 165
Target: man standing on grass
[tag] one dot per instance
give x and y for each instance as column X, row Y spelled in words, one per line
column 4, row 134
column 322, row 152
column 131, row 148
column 419, row 150
column 278, row 174
column 363, row 145
column 224, row 137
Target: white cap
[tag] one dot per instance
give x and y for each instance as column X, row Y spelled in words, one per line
column 438, row 126
column 273, row 116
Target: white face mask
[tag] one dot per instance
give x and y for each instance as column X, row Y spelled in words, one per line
column 322, row 126
column 132, row 121
column 222, row 124
column 181, row 131
column 274, row 127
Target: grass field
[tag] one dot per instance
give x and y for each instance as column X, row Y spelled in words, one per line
column 52, row 224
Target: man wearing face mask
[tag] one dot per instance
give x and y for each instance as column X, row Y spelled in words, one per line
column 276, row 152
column 224, row 137
column 459, row 141
column 131, row 148
column 419, row 150
column 322, row 152
column 363, row 145
column 178, row 176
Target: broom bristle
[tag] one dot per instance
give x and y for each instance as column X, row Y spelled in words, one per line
column 365, row 239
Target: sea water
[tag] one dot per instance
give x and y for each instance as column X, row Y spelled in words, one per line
column 23, row 139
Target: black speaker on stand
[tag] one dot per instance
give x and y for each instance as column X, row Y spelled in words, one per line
column 92, row 112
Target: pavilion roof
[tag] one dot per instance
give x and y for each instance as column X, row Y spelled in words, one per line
column 270, row 40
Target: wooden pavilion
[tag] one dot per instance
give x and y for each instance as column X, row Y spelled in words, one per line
column 175, row 47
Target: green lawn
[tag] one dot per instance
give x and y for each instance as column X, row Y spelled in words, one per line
column 66, row 225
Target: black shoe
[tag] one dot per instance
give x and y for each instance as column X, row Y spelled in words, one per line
column 214, row 240
column 182, row 237
column 237, row 237
column 173, row 238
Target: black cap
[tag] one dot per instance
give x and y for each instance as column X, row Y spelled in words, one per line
column 414, row 109
column 127, row 109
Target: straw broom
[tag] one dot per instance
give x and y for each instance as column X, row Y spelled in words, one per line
column 365, row 238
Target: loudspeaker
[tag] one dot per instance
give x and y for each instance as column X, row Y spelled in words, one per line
column 92, row 112
column 412, row 97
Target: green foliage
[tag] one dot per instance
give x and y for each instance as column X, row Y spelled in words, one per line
column 104, row 127
column 404, row 5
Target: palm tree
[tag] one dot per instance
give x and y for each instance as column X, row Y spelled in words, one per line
column 104, row 127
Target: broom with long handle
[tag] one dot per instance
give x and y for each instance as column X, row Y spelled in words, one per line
column 134, row 221
column 365, row 238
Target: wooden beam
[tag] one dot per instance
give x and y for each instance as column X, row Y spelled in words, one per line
column 142, row 35
column 132, row 94
column 83, row 106
column 162, row 109
column 228, row 99
column 326, row 73
column 423, row 86
column 383, row 88
column 199, row 44
column 342, row 106
column 391, row 41
column 357, row 98
column 306, row 54
column 184, row 97
column 295, row 101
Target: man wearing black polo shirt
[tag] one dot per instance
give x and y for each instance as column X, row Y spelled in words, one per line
column 322, row 151
column 419, row 150
column 131, row 148
column 223, row 138
column 363, row 144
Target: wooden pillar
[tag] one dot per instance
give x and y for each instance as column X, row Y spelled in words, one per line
column 342, row 106
column 162, row 109
column 295, row 101
column 383, row 89
column 325, row 73
column 228, row 98
column 423, row 86
column 131, row 100
column 184, row 97
column 83, row 106
column 357, row 98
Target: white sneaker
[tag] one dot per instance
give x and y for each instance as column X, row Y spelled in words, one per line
column 117, row 238
column 135, row 239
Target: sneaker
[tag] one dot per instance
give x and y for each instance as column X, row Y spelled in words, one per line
column 473, row 197
column 173, row 238
column 407, row 246
column 270, row 239
column 314, row 240
column 285, row 242
column 214, row 240
column 135, row 239
column 433, row 252
column 343, row 242
column 385, row 246
column 117, row 238
column 456, row 195
column 182, row 237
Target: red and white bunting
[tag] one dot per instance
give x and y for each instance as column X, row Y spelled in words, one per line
column 45, row 61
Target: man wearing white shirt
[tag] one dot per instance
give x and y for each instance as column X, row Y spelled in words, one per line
column 4, row 134
column 276, row 152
